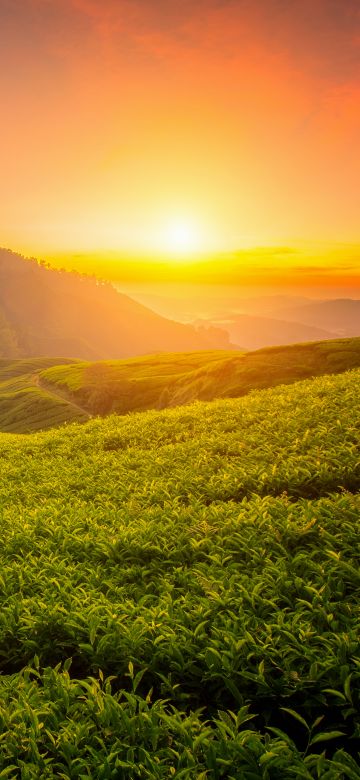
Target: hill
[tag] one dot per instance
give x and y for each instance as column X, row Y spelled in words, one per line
column 158, row 381
column 47, row 312
column 31, row 400
column 39, row 393
column 180, row 592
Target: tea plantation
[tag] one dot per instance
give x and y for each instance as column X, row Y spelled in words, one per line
column 180, row 592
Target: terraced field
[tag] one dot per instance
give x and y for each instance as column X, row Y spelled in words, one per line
column 180, row 592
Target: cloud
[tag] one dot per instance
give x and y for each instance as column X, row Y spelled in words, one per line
column 320, row 38
column 321, row 269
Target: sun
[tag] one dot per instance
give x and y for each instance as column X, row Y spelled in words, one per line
column 178, row 237
column 181, row 237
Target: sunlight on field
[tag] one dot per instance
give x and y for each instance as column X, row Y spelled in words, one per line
column 183, row 584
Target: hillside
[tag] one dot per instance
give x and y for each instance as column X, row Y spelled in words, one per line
column 25, row 406
column 158, row 381
column 46, row 312
column 180, row 592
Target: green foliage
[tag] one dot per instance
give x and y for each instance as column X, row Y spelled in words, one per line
column 180, row 592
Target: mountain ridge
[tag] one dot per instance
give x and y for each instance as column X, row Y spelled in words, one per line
column 257, row 332
column 339, row 315
column 44, row 311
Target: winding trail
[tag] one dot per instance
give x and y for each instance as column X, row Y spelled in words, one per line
column 58, row 393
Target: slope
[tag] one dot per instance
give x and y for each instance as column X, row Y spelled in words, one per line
column 180, row 592
column 158, row 381
column 25, row 406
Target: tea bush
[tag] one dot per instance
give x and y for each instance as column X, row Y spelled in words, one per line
column 180, row 591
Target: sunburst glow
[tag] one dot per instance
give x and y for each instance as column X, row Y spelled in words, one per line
column 181, row 237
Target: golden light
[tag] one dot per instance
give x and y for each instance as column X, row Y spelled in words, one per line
column 181, row 237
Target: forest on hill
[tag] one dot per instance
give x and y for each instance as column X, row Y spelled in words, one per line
column 52, row 313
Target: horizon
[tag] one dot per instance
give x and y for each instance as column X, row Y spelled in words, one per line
column 257, row 270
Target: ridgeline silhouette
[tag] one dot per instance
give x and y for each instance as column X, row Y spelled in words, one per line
column 45, row 311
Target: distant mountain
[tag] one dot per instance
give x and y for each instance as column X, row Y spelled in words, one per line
column 340, row 316
column 193, row 302
column 266, row 305
column 51, row 312
column 257, row 332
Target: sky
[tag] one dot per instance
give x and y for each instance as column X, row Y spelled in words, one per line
column 173, row 138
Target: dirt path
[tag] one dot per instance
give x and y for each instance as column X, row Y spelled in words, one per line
column 64, row 395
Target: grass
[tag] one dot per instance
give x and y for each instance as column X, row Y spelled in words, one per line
column 180, row 591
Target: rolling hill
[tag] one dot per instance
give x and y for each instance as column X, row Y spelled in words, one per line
column 180, row 592
column 158, row 381
column 46, row 312
column 39, row 393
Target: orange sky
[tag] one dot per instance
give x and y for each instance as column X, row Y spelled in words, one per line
column 240, row 118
